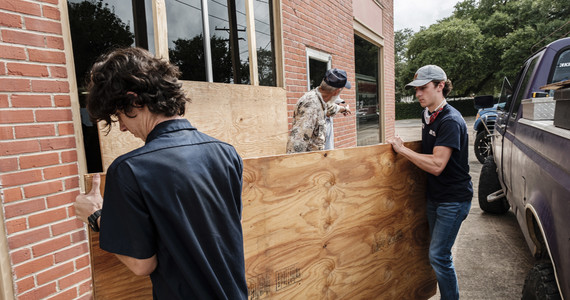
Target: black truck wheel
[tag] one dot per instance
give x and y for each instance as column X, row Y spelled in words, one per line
column 489, row 183
column 540, row 283
column 482, row 146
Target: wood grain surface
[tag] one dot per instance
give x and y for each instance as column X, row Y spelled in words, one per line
column 340, row 224
column 251, row 118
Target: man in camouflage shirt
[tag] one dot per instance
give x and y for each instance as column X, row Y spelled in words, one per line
column 309, row 127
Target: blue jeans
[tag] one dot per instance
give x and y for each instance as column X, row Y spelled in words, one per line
column 444, row 221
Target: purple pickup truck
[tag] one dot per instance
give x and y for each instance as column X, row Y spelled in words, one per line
column 529, row 170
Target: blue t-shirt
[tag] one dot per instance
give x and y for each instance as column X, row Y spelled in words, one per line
column 179, row 197
column 449, row 130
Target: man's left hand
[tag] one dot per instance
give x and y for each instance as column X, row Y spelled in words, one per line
column 397, row 143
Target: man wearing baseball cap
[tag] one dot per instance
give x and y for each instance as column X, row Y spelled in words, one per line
column 308, row 132
column 445, row 158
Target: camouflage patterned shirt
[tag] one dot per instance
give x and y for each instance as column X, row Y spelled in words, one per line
column 308, row 130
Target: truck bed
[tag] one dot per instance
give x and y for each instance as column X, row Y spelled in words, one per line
column 550, row 142
column 541, row 182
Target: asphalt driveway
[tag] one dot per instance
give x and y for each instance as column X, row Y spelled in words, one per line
column 491, row 256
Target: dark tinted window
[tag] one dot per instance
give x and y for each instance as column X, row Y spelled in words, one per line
column 317, row 70
column 524, row 84
column 367, row 92
column 562, row 68
column 97, row 27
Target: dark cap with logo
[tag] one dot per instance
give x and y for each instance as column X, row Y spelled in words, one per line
column 336, row 78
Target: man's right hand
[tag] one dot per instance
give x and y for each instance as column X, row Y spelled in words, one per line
column 87, row 204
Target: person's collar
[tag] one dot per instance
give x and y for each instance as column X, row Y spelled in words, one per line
column 440, row 105
column 169, row 126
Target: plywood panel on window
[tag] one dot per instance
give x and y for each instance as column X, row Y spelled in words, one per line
column 340, row 224
column 252, row 119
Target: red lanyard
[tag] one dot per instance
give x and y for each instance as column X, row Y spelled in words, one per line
column 434, row 115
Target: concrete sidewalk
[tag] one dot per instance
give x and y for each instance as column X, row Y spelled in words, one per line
column 490, row 254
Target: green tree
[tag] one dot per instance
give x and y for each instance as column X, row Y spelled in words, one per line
column 454, row 45
column 95, row 29
column 401, row 39
column 188, row 55
column 493, row 38
column 266, row 67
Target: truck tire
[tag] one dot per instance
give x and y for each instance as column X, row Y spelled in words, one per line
column 482, row 146
column 489, row 183
column 540, row 283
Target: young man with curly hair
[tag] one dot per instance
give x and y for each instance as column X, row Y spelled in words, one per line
column 172, row 208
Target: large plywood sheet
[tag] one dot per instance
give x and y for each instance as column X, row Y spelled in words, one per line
column 251, row 118
column 341, row 224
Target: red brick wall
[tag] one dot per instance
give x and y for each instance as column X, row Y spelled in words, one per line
column 38, row 158
column 327, row 25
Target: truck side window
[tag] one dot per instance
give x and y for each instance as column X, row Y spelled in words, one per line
column 523, row 90
column 562, row 67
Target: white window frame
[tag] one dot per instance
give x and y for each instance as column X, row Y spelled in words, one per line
column 320, row 56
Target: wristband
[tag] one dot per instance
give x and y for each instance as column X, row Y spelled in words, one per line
column 93, row 220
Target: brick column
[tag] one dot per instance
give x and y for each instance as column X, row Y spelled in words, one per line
column 39, row 179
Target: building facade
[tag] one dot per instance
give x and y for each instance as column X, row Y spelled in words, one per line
column 47, row 143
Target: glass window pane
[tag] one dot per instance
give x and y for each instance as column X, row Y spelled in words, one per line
column 265, row 42
column 243, row 50
column 523, row 91
column 317, row 70
column 185, row 38
column 220, row 41
column 228, row 41
column 562, row 69
column 96, row 27
column 367, row 96
column 144, row 30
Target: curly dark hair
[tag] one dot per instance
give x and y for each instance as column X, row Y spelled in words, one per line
column 132, row 77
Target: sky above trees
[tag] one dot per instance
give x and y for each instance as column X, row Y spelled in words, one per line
column 480, row 42
column 415, row 13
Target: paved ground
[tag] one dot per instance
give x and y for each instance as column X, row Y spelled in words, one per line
column 490, row 254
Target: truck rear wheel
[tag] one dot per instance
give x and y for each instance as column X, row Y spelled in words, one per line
column 540, row 283
column 482, row 146
column 488, row 184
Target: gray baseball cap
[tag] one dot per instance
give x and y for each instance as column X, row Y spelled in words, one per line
column 427, row 74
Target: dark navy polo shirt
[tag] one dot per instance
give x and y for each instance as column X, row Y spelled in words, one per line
column 454, row 183
column 179, row 197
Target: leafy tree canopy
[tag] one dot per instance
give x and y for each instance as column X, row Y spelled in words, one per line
column 95, row 29
column 482, row 41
